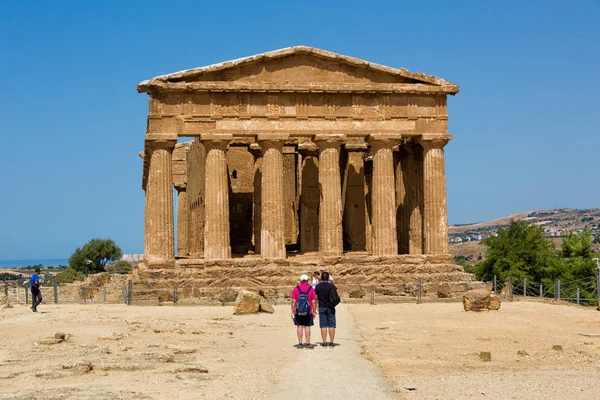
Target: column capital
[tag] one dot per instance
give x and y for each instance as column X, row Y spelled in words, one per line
column 160, row 144
column 255, row 150
column 181, row 187
column 434, row 141
column 308, row 149
column 216, row 140
column 357, row 147
column 379, row 141
column 329, row 140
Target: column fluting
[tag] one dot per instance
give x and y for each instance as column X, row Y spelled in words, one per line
column 385, row 240
column 158, row 218
column 216, row 195
column 330, row 208
column 272, row 239
column 435, row 208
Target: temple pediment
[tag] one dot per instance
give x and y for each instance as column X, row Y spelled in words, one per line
column 297, row 65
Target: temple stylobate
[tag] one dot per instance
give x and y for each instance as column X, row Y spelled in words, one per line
column 297, row 154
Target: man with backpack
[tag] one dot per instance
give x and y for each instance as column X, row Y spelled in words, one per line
column 303, row 304
column 328, row 298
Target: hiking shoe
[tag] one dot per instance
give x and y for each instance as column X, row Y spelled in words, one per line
column 33, row 309
column 299, row 346
column 324, row 344
column 331, row 344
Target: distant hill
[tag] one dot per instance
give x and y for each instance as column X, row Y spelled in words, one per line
column 465, row 239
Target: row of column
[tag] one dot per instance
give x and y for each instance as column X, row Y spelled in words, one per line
column 158, row 235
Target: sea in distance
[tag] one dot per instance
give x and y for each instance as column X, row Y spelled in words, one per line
column 46, row 262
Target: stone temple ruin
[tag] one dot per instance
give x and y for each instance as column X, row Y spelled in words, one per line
column 299, row 158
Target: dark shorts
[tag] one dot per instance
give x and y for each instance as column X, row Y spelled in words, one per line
column 304, row 320
column 326, row 318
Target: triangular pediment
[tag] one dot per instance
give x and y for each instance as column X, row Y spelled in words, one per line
column 301, row 64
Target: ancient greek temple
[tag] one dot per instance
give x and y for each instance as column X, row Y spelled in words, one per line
column 296, row 156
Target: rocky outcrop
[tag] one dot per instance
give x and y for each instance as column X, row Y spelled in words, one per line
column 480, row 300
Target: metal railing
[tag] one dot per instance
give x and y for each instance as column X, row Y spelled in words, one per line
column 580, row 291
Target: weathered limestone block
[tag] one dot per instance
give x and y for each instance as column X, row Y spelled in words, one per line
column 494, row 302
column 266, row 307
column 228, row 295
column 480, row 300
column 247, row 302
column 356, row 293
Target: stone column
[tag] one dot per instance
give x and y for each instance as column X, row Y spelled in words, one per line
column 309, row 197
column 434, row 184
column 355, row 206
column 183, row 227
column 158, row 218
column 272, row 238
column 330, row 209
column 255, row 150
column 216, row 195
column 414, row 187
column 402, row 202
column 385, row 241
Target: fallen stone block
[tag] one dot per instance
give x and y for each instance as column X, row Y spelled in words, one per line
column 480, row 300
column 50, row 341
column 197, row 369
column 485, row 356
column 266, row 307
column 358, row 293
column 247, row 302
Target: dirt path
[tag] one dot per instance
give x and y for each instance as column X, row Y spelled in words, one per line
column 331, row 373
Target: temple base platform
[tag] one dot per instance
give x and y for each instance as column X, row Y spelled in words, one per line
column 357, row 276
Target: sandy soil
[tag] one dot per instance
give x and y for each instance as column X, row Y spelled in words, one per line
column 431, row 351
column 426, row 351
column 119, row 351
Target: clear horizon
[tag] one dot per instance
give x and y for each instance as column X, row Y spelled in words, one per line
column 73, row 122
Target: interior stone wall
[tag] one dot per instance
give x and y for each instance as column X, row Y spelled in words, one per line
column 309, row 205
column 240, row 164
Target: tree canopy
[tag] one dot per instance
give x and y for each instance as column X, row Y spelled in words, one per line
column 521, row 251
column 94, row 255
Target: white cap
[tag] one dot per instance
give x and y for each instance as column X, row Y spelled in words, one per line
column 303, row 278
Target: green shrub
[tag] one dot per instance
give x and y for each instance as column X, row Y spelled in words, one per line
column 69, row 275
column 120, row 267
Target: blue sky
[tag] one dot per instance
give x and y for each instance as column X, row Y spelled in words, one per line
column 525, row 127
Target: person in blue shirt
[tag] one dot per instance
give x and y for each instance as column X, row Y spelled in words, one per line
column 36, row 294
